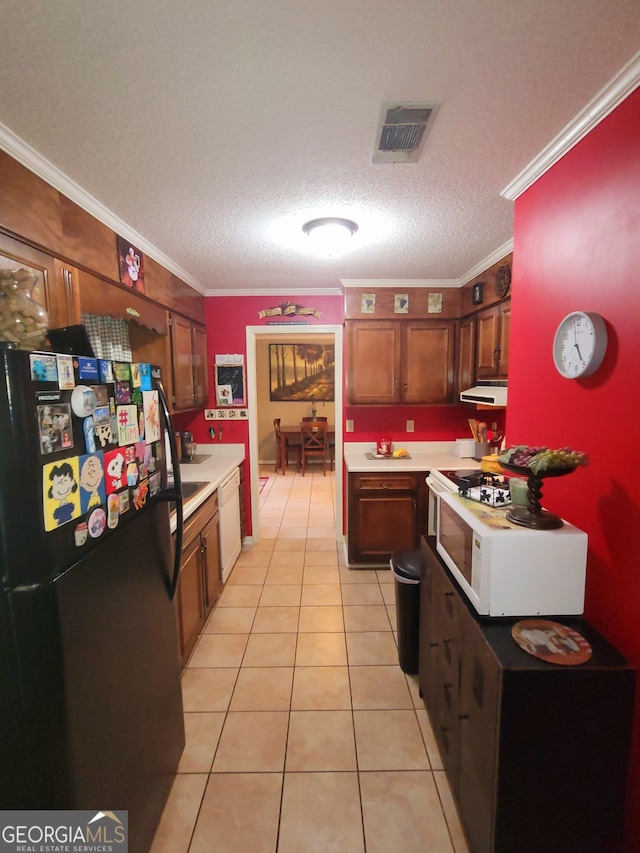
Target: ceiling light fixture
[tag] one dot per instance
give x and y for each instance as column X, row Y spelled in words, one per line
column 330, row 235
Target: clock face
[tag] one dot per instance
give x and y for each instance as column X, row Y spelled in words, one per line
column 580, row 344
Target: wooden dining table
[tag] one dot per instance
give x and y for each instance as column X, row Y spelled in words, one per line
column 293, row 436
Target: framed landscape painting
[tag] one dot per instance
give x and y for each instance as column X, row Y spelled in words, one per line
column 299, row 372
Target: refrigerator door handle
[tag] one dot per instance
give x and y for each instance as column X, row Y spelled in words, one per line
column 176, row 493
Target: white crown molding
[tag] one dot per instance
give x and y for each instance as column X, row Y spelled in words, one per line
column 489, row 261
column 29, row 157
column 622, row 85
column 279, row 294
column 398, row 282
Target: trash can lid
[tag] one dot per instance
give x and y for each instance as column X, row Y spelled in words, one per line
column 405, row 565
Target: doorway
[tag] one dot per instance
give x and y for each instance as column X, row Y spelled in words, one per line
column 253, row 334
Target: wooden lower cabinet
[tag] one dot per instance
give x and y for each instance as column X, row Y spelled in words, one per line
column 200, row 582
column 386, row 513
column 536, row 754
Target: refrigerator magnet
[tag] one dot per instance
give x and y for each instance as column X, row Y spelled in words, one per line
column 145, row 377
column 122, row 371
column 127, row 417
column 81, row 533
column 61, row 497
column 87, row 368
column 123, row 392
column 135, row 375
column 89, row 435
column 151, row 416
column 125, row 501
column 54, row 427
column 44, row 368
column 97, row 522
column 83, row 401
column 92, row 488
column 106, row 370
column 155, row 483
column 140, row 494
column 132, row 474
column 66, row 377
column 113, row 511
column 114, row 466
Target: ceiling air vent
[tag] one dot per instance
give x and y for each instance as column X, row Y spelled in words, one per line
column 402, row 131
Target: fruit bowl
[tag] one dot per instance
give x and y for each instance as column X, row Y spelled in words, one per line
column 548, row 463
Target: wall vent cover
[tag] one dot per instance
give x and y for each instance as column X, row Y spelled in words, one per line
column 402, row 130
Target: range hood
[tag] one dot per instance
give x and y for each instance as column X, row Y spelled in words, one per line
column 487, row 394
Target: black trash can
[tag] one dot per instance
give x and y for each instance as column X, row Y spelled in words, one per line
column 405, row 566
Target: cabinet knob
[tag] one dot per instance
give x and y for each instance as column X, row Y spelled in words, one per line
column 434, row 645
column 463, row 716
column 385, row 485
column 447, row 640
column 448, row 594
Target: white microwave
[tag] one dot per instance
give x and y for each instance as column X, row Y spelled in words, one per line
column 506, row 570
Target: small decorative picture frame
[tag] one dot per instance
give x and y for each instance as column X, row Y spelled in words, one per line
column 401, row 303
column 477, row 293
column 368, row 303
column 434, row 303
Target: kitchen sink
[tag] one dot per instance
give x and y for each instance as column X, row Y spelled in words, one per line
column 188, row 491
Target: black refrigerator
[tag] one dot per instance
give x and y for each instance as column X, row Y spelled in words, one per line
column 90, row 696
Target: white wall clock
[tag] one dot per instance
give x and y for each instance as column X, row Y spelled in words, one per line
column 579, row 344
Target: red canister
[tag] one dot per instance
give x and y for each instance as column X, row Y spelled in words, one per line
column 384, row 446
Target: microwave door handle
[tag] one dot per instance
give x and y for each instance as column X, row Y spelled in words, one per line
column 175, row 493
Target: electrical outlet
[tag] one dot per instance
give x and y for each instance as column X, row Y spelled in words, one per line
column 349, row 426
column 410, row 426
column 209, row 414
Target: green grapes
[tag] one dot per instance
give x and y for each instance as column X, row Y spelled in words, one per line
column 542, row 458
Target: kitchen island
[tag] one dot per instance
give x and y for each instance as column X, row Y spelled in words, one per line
column 387, row 499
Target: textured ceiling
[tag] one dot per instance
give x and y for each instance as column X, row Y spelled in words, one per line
column 215, row 130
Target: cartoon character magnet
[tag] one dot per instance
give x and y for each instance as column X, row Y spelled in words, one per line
column 92, row 491
column 61, row 496
column 114, row 466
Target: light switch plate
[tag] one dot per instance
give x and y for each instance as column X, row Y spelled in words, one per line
column 410, row 426
column 349, row 426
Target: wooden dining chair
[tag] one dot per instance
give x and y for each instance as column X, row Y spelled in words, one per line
column 282, row 448
column 314, row 442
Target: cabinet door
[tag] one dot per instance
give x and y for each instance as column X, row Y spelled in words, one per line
column 182, row 362
column 200, row 374
column 373, row 362
column 190, row 598
column 210, row 538
column 488, row 331
column 505, row 332
column 428, row 350
column 466, row 365
column 33, row 280
column 379, row 525
column 479, row 719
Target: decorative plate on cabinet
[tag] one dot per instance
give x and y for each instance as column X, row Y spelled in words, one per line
column 503, row 280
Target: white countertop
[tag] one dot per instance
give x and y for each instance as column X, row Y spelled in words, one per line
column 223, row 458
column 425, row 456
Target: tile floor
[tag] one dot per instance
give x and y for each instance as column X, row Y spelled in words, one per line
column 303, row 733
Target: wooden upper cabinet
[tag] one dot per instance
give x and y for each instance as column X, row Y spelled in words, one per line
column 428, row 350
column 493, row 326
column 90, row 243
column 394, row 361
column 189, row 361
column 466, row 357
column 43, row 281
column 373, row 362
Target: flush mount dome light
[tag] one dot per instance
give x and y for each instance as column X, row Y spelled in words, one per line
column 331, row 234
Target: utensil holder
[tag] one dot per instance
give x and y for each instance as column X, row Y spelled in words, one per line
column 481, row 449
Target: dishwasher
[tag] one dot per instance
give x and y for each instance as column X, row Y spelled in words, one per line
column 230, row 540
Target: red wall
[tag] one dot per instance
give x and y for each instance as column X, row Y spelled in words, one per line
column 577, row 247
column 227, row 318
